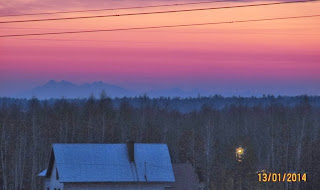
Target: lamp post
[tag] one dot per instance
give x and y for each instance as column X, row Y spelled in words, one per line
column 239, row 159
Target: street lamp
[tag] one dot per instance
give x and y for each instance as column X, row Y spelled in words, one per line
column 239, row 158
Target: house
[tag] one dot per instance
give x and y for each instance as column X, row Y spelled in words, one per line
column 108, row 166
column 186, row 177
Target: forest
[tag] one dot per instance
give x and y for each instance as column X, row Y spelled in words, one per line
column 278, row 135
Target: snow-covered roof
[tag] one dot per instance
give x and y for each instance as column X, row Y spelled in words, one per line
column 110, row 163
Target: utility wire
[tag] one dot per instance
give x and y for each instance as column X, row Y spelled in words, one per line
column 121, row 8
column 157, row 27
column 157, row 12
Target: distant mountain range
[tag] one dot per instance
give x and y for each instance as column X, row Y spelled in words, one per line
column 55, row 89
column 58, row 89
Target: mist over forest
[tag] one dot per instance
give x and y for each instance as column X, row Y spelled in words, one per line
column 278, row 134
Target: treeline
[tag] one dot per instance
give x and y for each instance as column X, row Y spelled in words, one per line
column 276, row 137
column 185, row 105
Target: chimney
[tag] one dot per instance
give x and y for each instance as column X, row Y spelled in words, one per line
column 130, row 148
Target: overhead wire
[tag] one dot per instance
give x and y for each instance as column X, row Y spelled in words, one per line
column 163, row 26
column 156, row 12
column 113, row 9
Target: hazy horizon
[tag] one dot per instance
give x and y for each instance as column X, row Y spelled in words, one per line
column 69, row 89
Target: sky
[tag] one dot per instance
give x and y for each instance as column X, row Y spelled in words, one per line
column 269, row 57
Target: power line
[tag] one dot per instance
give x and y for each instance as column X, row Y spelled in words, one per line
column 157, row 12
column 121, row 8
column 157, row 27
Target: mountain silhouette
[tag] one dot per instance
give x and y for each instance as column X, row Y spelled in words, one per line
column 59, row 89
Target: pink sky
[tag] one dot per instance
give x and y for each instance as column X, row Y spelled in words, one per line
column 267, row 55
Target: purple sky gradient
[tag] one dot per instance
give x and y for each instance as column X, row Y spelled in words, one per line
column 278, row 57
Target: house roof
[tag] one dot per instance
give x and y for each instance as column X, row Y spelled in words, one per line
column 110, row 163
column 43, row 173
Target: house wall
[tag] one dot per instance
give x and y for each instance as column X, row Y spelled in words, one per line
column 52, row 182
column 118, row 186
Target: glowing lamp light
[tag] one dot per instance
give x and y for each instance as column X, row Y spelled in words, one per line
column 239, row 150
